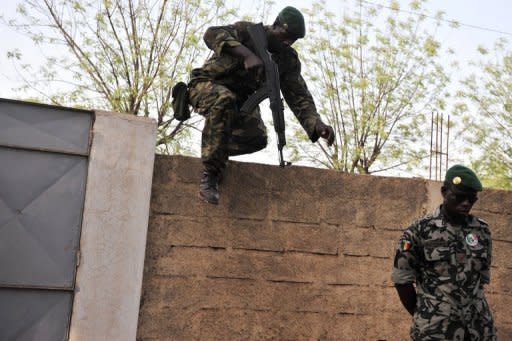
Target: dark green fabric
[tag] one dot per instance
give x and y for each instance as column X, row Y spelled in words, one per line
column 224, row 69
column 294, row 20
column 180, row 102
column 462, row 178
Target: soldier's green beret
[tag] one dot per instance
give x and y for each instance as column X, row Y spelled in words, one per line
column 462, row 178
column 293, row 19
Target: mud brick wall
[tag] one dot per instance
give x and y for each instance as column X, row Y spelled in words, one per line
column 291, row 254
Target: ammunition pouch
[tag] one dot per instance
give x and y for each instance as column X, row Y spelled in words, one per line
column 180, row 103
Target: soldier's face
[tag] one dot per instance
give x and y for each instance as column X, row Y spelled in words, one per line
column 279, row 38
column 458, row 203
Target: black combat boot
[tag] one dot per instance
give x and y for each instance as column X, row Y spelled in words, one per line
column 209, row 187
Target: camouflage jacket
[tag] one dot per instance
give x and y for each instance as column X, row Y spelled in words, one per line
column 225, row 69
column 448, row 263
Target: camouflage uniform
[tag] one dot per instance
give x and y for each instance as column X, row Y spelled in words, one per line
column 450, row 264
column 219, row 88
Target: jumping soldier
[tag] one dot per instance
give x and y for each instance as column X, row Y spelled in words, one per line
column 219, row 88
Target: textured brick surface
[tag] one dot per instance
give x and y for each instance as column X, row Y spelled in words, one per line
column 290, row 254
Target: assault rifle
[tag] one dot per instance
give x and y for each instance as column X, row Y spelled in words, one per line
column 271, row 89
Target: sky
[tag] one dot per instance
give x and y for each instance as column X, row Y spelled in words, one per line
column 481, row 24
column 490, row 15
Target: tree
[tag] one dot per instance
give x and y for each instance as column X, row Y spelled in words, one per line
column 488, row 116
column 375, row 79
column 118, row 55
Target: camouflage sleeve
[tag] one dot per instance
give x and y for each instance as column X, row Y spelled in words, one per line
column 406, row 258
column 296, row 93
column 217, row 37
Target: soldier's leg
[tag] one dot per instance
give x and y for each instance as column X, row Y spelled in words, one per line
column 218, row 105
column 248, row 134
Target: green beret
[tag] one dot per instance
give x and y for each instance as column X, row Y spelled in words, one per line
column 462, row 178
column 293, row 19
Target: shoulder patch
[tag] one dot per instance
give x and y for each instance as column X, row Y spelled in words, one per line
column 405, row 245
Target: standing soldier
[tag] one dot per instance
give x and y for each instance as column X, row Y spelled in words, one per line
column 447, row 254
column 219, row 88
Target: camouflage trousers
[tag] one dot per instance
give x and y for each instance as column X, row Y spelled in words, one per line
column 438, row 320
column 226, row 132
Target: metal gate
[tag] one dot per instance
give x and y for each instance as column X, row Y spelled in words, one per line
column 43, row 168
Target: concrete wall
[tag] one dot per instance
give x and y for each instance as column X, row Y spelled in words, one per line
column 291, row 254
column 115, row 220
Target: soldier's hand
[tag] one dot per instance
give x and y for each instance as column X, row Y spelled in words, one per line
column 326, row 132
column 253, row 65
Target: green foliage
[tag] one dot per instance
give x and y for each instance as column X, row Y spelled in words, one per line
column 376, row 75
column 119, row 55
column 482, row 50
column 486, row 113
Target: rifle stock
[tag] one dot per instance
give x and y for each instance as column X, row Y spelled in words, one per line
column 271, row 89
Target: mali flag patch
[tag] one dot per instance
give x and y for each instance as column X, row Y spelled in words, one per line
column 406, row 245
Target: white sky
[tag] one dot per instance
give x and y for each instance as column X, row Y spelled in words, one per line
column 493, row 15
